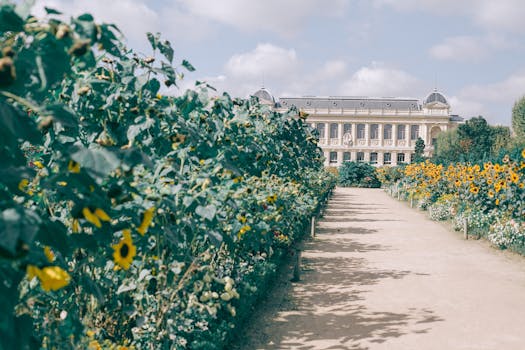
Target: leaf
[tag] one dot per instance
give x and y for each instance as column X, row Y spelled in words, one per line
column 17, row 226
column 10, row 21
column 54, row 234
column 51, row 11
column 208, row 212
column 153, row 40
column 97, row 162
column 126, row 287
column 188, row 66
column 62, row 114
column 166, row 49
column 215, row 237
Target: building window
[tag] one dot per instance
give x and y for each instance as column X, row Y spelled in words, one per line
column 412, row 155
column 373, row 158
column 333, row 157
column 387, row 132
column 414, row 132
column 347, row 129
column 333, row 130
column 401, row 132
column 400, row 158
column 320, row 129
column 360, row 131
column 346, row 157
column 360, row 156
column 374, row 131
column 387, row 158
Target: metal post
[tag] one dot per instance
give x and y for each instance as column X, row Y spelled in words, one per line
column 312, row 227
column 297, row 267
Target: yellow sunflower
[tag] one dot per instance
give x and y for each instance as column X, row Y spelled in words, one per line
column 73, row 167
column 147, row 219
column 523, row 153
column 124, row 251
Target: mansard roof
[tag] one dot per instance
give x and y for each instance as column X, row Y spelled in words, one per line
column 345, row 102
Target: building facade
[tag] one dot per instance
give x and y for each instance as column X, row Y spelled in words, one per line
column 380, row 131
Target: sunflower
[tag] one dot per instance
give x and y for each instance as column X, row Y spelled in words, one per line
column 523, row 153
column 124, row 251
column 514, row 177
column 474, row 189
column 147, row 219
column 73, row 167
column 51, row 277
column 490, row 193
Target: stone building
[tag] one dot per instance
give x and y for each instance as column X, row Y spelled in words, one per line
column 381, row 131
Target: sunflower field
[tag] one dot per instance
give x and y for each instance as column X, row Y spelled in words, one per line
column 489, row 197
column 129, row 219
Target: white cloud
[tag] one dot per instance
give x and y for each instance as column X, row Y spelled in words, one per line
column 494, row 101
column 500, row 15
column 378, row 80
column 460, row 48
column 507, row 90
column 265, row 61
column 133, row 17
column 283, row 17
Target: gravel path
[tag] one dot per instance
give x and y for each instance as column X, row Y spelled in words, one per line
column 380, row 275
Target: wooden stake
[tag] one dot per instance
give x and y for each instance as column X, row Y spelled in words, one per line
column 297, row 267
column 465, row 228
column 312, row 227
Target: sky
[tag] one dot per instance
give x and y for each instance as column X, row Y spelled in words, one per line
column 470, row 50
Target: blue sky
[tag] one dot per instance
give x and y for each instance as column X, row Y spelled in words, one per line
column 471, row 50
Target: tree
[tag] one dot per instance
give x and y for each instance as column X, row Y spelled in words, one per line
column 419, row 149
column 447, row 147
column 518, row 118
column 475, row 138
column 500, row 139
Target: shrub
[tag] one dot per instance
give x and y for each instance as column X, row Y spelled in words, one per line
column 356, row 174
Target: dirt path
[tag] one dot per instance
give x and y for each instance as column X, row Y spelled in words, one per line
column 380, row 275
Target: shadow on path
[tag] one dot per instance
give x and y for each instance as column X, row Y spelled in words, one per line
column 326, row 310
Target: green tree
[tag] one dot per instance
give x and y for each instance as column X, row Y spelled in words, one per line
column 419, row 149
column 475, row 139
column 518, row 118
column 354, row 174
column 447, row 146
column 501, row 139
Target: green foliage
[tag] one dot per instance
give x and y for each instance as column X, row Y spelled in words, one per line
column 447, row 146
column 358, row 174
column 474, row 141
column 419, row 150
column 518, row 118
column 127, row 217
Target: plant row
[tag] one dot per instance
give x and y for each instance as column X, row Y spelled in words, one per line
column 129, row 219
column 488, row 198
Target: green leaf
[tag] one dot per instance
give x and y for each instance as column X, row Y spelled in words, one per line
column 10, row 21
column 97, row 162
column 208, row 212
column 126, row 287
column 153, row 39
column 62, row 114
column 166, row 49
column 188, row 66
column 51, row 11
column 17, row 225
column 54, row 234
